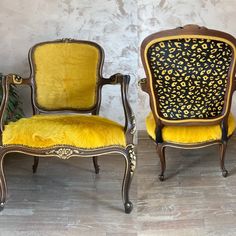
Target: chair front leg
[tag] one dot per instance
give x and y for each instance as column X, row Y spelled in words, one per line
column 3, row 185
column 161, row 154
column 223, row 147
column 130, row 164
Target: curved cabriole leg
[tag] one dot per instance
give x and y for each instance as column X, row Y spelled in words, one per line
column 3, row 185
column 35, row 165
column 161, row 153
column 96, row 166
column 130, row 164
column 222, row 159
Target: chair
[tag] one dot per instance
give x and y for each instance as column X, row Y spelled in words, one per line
column 190, row 81
column 66, row 79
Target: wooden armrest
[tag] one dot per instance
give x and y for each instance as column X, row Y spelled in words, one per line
column 17, row 80
column 235, row 84
column 143, row 85
column 117, row 78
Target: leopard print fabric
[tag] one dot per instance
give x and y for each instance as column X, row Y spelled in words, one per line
column 189, row 77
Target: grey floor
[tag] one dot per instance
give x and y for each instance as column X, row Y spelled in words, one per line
column 68, row 198
column 194, row 199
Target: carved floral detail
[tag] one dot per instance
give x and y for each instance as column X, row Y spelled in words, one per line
column 63, row 153
column 132, row 157
column 67, row 40
column 133, row 123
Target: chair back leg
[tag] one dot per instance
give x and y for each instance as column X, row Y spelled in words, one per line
column 95, row 164
column 35, row 165
column 3, row 185
column 161, row 153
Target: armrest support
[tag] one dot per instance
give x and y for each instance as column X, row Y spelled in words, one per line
column 130, row 124
column 235, row 84
column 143, row 84
column 10, row 79
column 17, row 80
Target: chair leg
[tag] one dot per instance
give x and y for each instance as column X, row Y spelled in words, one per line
column 223, row 147
column 35, row 165
column 96, row 166
column 3, row 185
column 161, row 154
column 130, row 164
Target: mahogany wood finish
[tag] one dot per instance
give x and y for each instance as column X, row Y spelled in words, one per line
column 145, row 86
column 35, row 165
column 95, row 164
column 65, row 151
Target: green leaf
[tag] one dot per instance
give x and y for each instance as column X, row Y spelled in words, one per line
column 14, row 110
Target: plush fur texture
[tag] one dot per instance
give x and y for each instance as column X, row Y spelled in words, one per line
column 82, row 131
column 188, row 134
column 66, row 75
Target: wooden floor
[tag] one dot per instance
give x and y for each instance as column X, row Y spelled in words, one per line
column 68, row 198
column 194, row 199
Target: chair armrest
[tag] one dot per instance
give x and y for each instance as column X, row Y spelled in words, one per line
column 235, row 84
column 17, row 80
column 7, row 80
column 130, row 124
column 143, row 85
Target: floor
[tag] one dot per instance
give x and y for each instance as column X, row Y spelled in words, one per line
column 194, row 199
column 68, row 198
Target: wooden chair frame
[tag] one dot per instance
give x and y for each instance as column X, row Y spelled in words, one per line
column 145, row 86
column 65, row 151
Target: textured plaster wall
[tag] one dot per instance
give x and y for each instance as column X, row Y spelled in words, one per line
column 117, row 25
column 112, row 24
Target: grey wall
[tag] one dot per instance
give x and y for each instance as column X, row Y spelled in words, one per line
column 119, row 26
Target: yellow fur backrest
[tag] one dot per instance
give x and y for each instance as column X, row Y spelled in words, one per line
column 66, row 75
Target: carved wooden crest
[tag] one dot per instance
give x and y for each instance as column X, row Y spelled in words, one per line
column 63, row 153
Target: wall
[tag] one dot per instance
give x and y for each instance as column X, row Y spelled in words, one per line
column 119, row 26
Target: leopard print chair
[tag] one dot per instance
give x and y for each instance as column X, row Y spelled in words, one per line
column 190, row 81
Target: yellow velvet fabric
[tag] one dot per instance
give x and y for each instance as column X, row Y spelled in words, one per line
column 188, row 134
column 82, row 131
column 66, row 75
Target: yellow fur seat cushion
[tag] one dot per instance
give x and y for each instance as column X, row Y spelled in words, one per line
column 82, row 131
column 188, row 134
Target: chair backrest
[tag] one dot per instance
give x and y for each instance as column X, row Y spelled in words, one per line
column 190, row 72
column 66, row 74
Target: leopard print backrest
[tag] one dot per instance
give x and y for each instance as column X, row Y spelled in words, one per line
column 189, row 77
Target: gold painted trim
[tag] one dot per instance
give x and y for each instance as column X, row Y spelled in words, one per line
column 189, row 36
column 132, row 157
column 17, row 79
column 51, row 153
column 63, row 153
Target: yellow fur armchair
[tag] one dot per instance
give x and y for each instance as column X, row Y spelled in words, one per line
column 66, row 82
